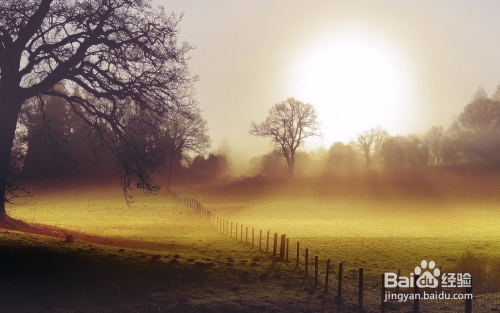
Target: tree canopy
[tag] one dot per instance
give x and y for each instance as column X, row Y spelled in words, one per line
column 288, row 124
column 123, row 53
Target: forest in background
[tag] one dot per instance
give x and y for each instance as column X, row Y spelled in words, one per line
column 53, row 142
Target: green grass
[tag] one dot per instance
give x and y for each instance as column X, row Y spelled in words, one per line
column 380, row 224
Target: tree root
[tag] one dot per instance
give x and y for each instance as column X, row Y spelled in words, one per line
column 8, row 222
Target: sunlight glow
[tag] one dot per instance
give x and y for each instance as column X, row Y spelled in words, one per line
column 353, row 86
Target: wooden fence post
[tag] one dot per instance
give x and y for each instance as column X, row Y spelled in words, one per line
column 416, row 291
column 287, row 248
column 397, row 285
column 246, row 235
column 241, row 233
column 236, row 232
column 231, row 228
column 298, row 256
column 253, row 236
column 307, row 261
column 275, row 246
column 282, row 247
column 260, row 240
column 267, row 244
column 316, row 270
column 440, row 288
column 326, row 275
column 339, row 290
column 382, row 301
column 468, row 298
column 360, row 300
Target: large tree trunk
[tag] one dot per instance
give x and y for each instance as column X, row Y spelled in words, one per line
column 170, row 169
column 10, row 107
column 291, row 167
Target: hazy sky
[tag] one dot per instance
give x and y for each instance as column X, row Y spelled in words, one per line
column 405, row 65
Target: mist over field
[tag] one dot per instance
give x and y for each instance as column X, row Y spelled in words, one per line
column 221, row 156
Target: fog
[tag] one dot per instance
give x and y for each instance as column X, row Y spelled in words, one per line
column 250, row 55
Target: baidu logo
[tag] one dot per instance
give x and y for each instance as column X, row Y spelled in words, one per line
column 427, row 279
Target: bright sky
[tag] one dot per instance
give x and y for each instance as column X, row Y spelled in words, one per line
column 404, row 65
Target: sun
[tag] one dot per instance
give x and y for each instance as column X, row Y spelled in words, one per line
column 353, row 85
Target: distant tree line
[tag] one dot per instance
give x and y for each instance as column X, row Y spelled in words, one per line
column 474, row 136
column 54, row 142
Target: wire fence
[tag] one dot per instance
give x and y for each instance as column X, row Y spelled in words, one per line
column 332, row 277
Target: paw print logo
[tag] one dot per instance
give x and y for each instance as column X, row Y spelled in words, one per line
column 427, row 279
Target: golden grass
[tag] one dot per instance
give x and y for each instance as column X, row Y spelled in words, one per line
column 378, row 234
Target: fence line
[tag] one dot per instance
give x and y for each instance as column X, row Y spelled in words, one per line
column 326, row 278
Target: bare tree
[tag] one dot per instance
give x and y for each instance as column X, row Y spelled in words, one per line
column 369, row 141
column 288, row 124
column 122, row 52
column 434, row 139
column 181, row 135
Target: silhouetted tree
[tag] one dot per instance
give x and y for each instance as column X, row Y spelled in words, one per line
column 122, row 52
column 180, row 136
column 212, row 167
column 496, row 95
column 477, row 131
column 273, row 164
column 341, row 157
column 370, row 140
column 416, row 151
column 403, row 151
column 55, row 137
column 47, row 136
column 392, row 152
column 434, row 140
column 450, row 150
column 479, row 94
column 479, row 117
column 288, row 124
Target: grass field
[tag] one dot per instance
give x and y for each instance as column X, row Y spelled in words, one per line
column 160, row 255
column 379, row 236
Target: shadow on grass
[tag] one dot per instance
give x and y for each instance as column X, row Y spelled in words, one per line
column 42, row 278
